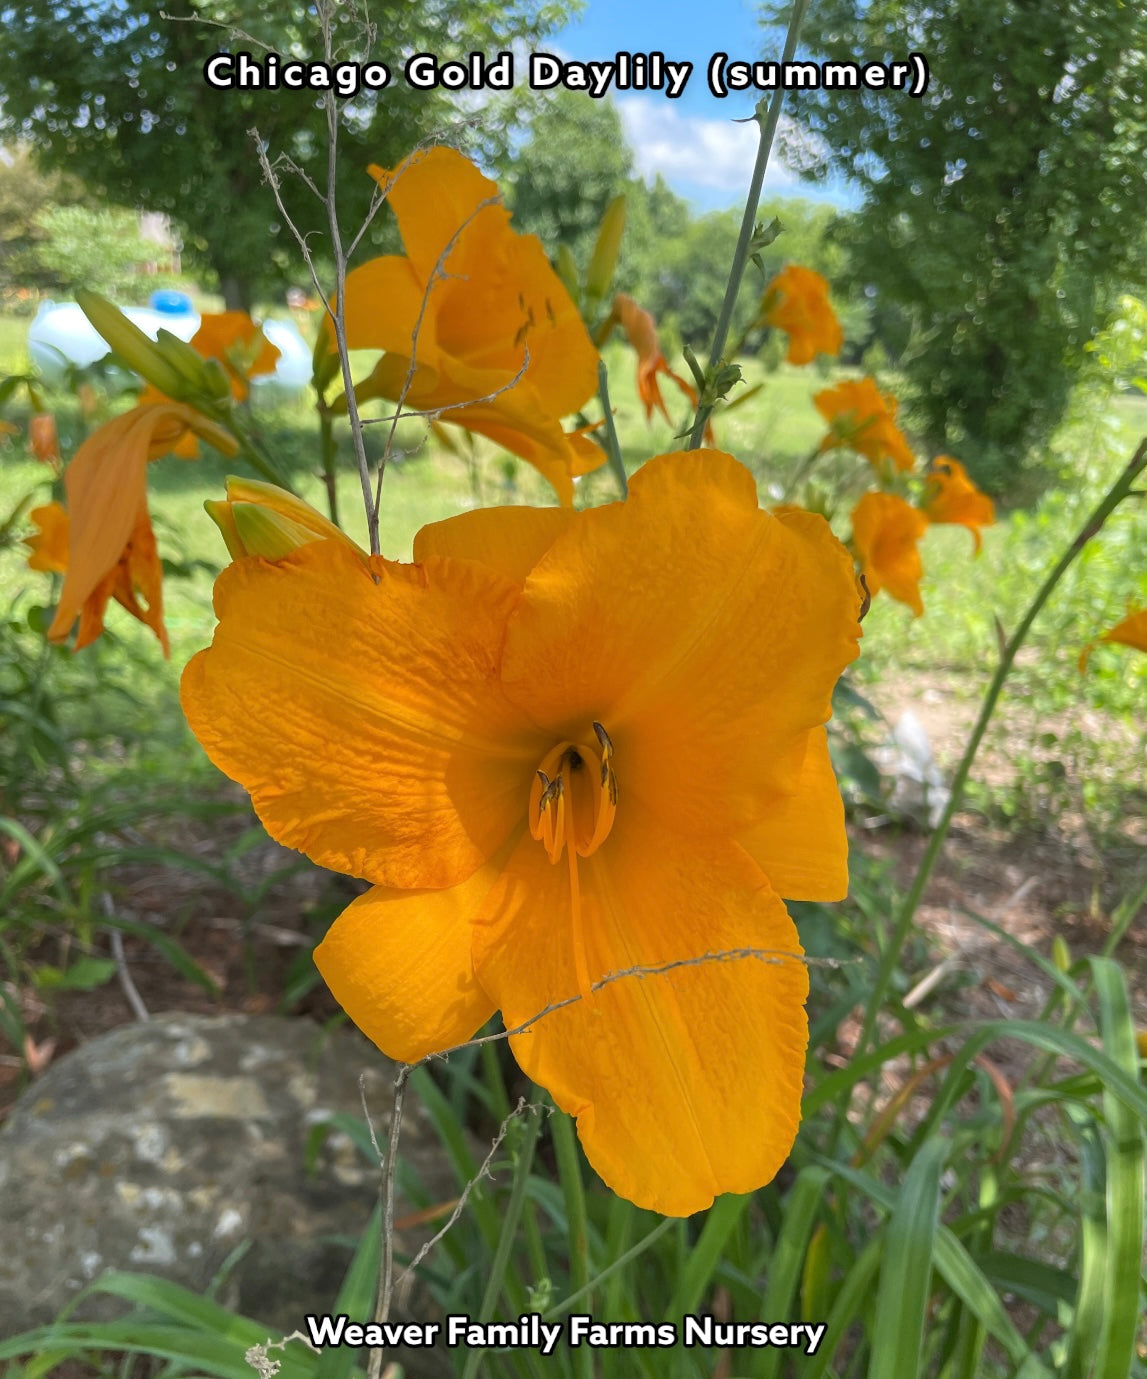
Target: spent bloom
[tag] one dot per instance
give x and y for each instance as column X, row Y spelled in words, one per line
column 474, row 322
column 863, row 418
column 950, row 496
column 885, row 530
column 546, row 745
column 796, row 301
column 641, row 331
column 110, row 545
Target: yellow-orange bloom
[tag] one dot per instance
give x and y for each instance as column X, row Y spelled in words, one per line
column 1132, row 631
column 796, row 301
column 112, row 552
column 473, row 302
column 545, row 746
column 860, row 416
column 950, row 496
column 885, row 530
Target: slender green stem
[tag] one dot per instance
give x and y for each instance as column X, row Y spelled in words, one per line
column 892, row 949
column 801, row 472
column 567, row 1304
column 612, row 445
column 569, row 1171
column 768, row 123
column 329, row 455
column 531, row 1125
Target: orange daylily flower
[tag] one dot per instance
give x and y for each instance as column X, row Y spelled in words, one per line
column 860, row 416
column 1132, row 631
column 885, row 530
column 474, row 302
column 950, row 496
column 43, row 438
column 545, row 747
column 112, row 552
column 796, row 301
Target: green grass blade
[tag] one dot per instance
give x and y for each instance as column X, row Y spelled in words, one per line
column 906, row 1272
column 802, row 1206
column 356, row 1298
column 1087, row 1321
column 854, row 1293
column 721, row 1221
column 961, row 1273
column 1123, row 1142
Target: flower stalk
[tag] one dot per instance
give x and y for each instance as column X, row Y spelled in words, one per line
column 1121, row 489
column 768, row 122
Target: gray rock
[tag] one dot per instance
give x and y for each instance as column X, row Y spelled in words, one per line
column 161, row 1147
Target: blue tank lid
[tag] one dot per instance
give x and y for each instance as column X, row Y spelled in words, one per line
column 171, row 303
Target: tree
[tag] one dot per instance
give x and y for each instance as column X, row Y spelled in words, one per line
column 116, row 94
column 573, row 164
column 998, row 207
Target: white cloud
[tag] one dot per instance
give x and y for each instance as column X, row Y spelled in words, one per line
column 703, row 153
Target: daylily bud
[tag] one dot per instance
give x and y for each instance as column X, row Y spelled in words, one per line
column 566, row 267
column 187, row 362
column 261, row 519
column 136, row 349
column 603, row 263
column 216, row 384
column 1060, row 954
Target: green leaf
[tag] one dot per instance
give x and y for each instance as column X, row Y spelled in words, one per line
column 906, row 1273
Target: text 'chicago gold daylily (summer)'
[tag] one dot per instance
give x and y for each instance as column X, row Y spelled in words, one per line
column 564, row 746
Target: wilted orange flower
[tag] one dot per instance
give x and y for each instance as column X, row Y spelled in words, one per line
column 43, row 439
column 545, row 745
column 470, row 300
column 950, row 496
column 862, row 417
column 885, row 530
column 1132, row 631
column 641, row 329
column 796, row 301
column 112, row 552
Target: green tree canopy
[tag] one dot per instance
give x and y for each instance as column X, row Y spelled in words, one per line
column 115, row 94
column 1002, row 209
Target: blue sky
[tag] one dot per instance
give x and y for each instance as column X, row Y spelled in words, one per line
column 693, row 140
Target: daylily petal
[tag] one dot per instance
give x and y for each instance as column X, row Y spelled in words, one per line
column 685, row 1083
column 399, row 964
column 510, row 540
column 383, row 305
column 885, row 530
column 709, row 681
column 366, row 720
column 800, row 841
column 861, row 417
